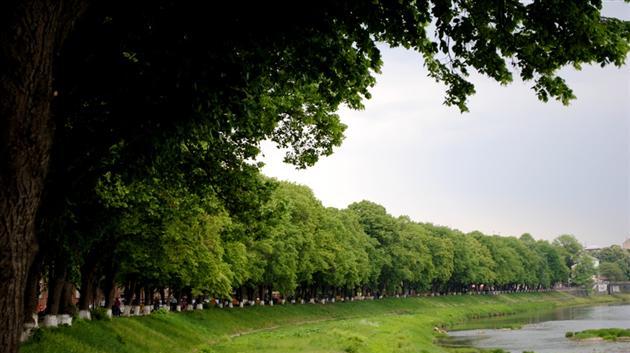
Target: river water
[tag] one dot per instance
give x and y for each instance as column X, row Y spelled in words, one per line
column 544, row 332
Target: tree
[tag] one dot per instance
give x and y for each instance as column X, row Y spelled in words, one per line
column 301, row 228
column 382, row 228
column 357, row 249
column 559, row 272
column 413, row 256
column 144, row 76
column 472, row 262
column 612, row 271
column 442, row 253
column 583, row 271
column 508, row 268
column 527, row 238
column 615, row 254
column 535, row 271
column 570, row 247
column 344, row 243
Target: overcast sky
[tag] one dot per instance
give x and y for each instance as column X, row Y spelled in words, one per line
column 511, row 165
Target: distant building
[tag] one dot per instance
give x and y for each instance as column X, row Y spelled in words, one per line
column 626, row 244
column 591, row 248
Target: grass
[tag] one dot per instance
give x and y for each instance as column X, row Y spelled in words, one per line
column 607, row 334
column 389, row 325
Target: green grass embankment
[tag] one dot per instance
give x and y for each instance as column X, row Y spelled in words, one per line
column 389, row 325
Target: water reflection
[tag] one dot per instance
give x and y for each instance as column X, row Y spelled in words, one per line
column 544, row 331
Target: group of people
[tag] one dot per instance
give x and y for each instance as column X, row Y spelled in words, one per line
column 183, row 303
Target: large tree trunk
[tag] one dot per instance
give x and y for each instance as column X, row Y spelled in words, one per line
column 31, row 31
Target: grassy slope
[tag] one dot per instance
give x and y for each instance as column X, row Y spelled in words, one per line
column 391, row 325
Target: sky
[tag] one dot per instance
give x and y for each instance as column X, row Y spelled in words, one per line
column 511, row 165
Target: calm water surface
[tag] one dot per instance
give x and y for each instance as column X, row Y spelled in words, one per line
column 544, row 332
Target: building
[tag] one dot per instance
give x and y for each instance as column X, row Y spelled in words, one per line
column 626, row 244
column 592, row 248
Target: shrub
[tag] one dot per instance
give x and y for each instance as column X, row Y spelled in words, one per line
column 351, row 349
column 99, row 313
column 38, row 334
column 160, row 311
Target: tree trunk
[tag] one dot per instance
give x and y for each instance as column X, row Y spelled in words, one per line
column 88, row 277
column 109, row 286
column 31, row 292
column 31, row 31
column 109, row 291
column 163, row 296
column 66, row 305
column 56, row 282
column 136, row 294
column 87, row 289
column 239, row 294
column 129, row 291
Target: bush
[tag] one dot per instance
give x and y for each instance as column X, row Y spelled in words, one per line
column 38, row 334
column 351, row 349
column 99, row 313
column 160, row 311
column 569, row 334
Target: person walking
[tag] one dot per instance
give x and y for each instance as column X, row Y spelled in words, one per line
column 116, row 308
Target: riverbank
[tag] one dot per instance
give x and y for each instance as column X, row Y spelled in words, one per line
column 387, row 325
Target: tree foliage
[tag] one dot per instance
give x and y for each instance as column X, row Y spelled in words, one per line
column 617, row 256
column 584, row 270
column 612, row 271
column 293, row 246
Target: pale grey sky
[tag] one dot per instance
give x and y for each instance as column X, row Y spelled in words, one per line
column 511, row 165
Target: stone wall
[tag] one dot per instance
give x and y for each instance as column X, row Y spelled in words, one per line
column 618, row 287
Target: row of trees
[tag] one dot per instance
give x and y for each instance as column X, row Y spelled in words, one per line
column 153, row 238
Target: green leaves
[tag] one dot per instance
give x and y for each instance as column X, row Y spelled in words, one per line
column 583, row 271
column 617, row 256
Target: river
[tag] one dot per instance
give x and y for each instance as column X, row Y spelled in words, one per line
column 544, row 332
